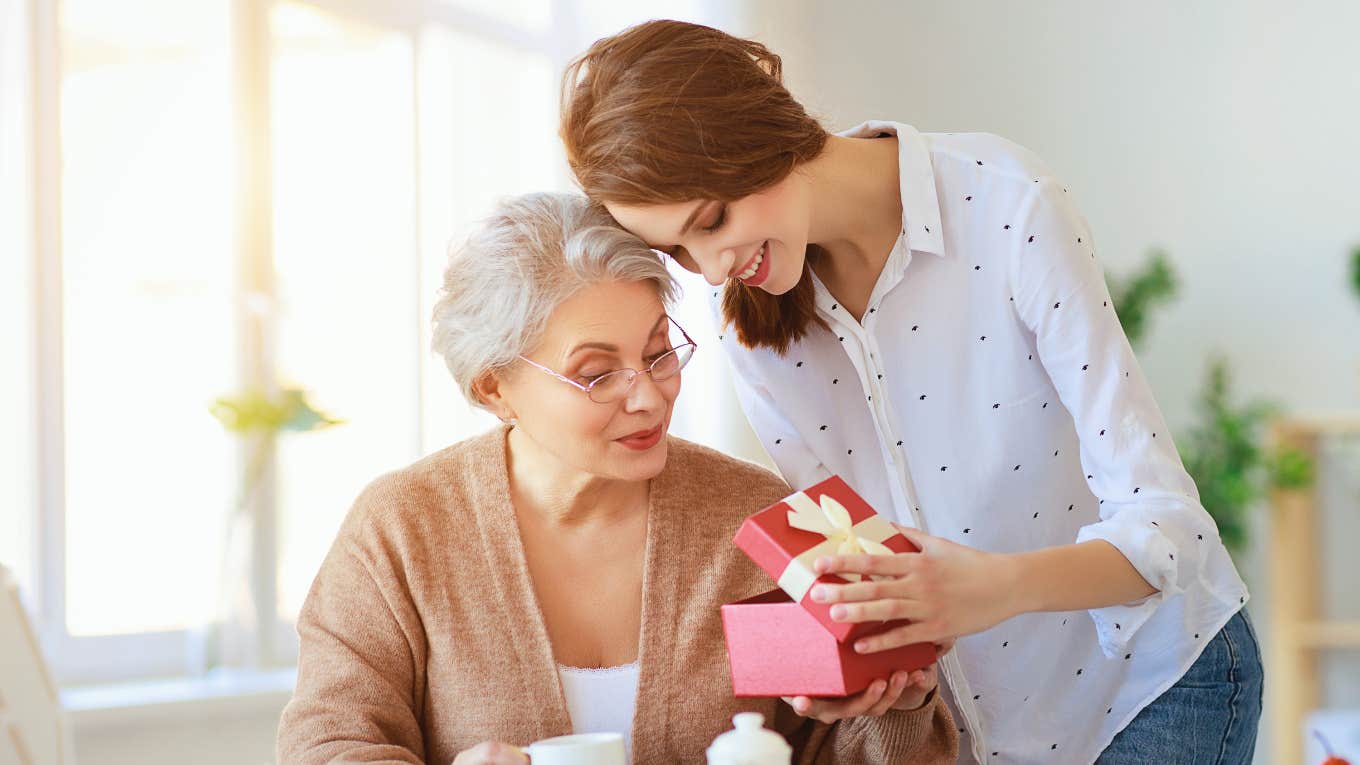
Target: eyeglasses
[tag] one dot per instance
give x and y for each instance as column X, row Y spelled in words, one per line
column 612, row 386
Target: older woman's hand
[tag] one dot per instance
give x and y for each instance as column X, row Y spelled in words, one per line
column 492, row 753
column 904, row 690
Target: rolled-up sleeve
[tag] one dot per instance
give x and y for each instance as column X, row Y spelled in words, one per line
column 1149, row 506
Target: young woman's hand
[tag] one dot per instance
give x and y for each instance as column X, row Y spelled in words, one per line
column 946, row 590
column 492, row 753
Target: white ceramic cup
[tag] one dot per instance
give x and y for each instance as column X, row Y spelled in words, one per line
column 579, row 749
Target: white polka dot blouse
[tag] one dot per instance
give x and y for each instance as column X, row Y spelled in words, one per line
column 989, row 396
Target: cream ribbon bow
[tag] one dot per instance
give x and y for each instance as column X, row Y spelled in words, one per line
column 830, row 519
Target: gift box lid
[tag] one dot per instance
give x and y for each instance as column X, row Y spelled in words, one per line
column 827, row 518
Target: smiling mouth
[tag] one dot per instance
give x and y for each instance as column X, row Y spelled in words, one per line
column 641, row 434
column 643, row 440
column 753, row 264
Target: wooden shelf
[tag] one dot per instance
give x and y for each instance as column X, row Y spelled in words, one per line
column 1329, row 634
column 1297, row 631
column 1314, row 424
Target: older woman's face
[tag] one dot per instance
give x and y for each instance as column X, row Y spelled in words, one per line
column 603, row 328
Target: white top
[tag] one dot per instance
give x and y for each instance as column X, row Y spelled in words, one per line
column 601, row 700
column 990, row 397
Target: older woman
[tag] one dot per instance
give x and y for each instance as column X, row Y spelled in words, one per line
column 562, row 573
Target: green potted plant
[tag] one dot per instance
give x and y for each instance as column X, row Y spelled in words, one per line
column 1355, row 271
column 1152, row 285
column 258, row 417
column 1222, row 448
column 1223, row 452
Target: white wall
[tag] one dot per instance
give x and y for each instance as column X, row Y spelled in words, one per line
column 1224, row 132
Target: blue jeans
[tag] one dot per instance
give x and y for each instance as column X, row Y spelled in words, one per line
column 1209, row 716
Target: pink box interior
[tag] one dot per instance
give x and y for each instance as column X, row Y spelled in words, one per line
column 777, row 649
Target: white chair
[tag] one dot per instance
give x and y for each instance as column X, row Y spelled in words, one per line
column 33, row 725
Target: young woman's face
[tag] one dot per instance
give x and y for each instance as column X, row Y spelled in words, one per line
column 760, row 239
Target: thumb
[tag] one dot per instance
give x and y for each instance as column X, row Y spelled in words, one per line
column 508, row 754
column 917, row 537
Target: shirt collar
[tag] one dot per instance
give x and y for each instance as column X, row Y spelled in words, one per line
column 916, row 176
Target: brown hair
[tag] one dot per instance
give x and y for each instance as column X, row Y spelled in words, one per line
column 668, row 111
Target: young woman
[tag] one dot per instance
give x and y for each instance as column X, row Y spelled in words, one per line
column 924, row 315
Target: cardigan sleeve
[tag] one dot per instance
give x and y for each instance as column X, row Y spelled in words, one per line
column 1149, row 507
column 361, row 654
column 924, row 736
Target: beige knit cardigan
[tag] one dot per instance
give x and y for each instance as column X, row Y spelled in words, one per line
column 422, row 636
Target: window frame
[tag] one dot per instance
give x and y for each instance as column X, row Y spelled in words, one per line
column 79, row 660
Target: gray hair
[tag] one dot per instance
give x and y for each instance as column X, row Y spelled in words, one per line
column 531, row 255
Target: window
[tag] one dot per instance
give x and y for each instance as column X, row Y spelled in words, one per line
column 345, row 267
column 473, row 156
column 147, row 324
column 18, row 468
column 223, row 195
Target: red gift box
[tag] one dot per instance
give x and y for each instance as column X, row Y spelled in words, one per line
column 781, row 643
column 777, row 649
column 844, row 523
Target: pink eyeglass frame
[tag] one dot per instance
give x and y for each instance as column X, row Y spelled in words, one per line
column 587, row 388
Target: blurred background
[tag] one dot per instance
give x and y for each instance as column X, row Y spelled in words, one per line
column 222, row 224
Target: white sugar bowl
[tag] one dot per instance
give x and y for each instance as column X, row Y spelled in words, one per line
column 749, row 744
